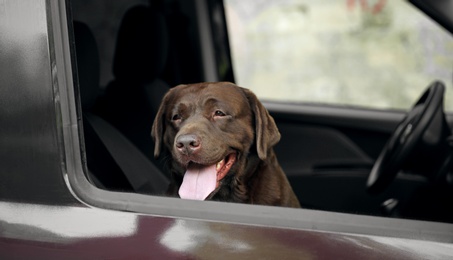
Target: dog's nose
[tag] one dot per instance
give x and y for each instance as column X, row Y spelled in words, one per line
column 187, row 144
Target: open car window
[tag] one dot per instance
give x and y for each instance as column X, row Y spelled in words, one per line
column 264, row 63
column 333, row 52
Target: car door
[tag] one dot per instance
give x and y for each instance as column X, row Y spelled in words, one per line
column 50, row 209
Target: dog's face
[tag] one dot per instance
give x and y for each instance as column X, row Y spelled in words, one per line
column 212, row 130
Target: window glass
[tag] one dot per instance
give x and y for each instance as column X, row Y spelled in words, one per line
column 370, row 53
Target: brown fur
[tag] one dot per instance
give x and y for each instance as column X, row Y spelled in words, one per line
column 247, row 129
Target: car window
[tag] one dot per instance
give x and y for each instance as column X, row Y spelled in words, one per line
column 368, row 53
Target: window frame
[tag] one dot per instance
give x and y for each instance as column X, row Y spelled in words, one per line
column 71, row 140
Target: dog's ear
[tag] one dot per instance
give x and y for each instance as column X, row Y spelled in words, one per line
column 266, row 131
column 157, row 130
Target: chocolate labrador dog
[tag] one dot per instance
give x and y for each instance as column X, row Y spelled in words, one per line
column 221, row 140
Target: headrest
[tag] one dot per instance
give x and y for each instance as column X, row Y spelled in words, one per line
column 141, row 48
column 87, row 64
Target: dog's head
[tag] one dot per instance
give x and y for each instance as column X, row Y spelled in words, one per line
column 211, row 131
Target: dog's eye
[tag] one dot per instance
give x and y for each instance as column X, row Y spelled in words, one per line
column 219, row 113
column 176, row 117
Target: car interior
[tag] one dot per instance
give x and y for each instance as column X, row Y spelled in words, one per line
column 342, row 159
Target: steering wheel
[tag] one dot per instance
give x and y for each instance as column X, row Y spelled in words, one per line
column 425, row 122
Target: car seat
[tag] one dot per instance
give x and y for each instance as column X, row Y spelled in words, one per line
column 132, row 99
column 112, row 161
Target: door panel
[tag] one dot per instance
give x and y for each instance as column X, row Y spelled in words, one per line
column 326, row 137
column 328, row 152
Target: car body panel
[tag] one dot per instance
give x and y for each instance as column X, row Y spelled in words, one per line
column 29, row 135
column 48, row 210
column 74, row 232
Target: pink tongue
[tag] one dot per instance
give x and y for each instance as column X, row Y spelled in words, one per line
column 199, row 181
